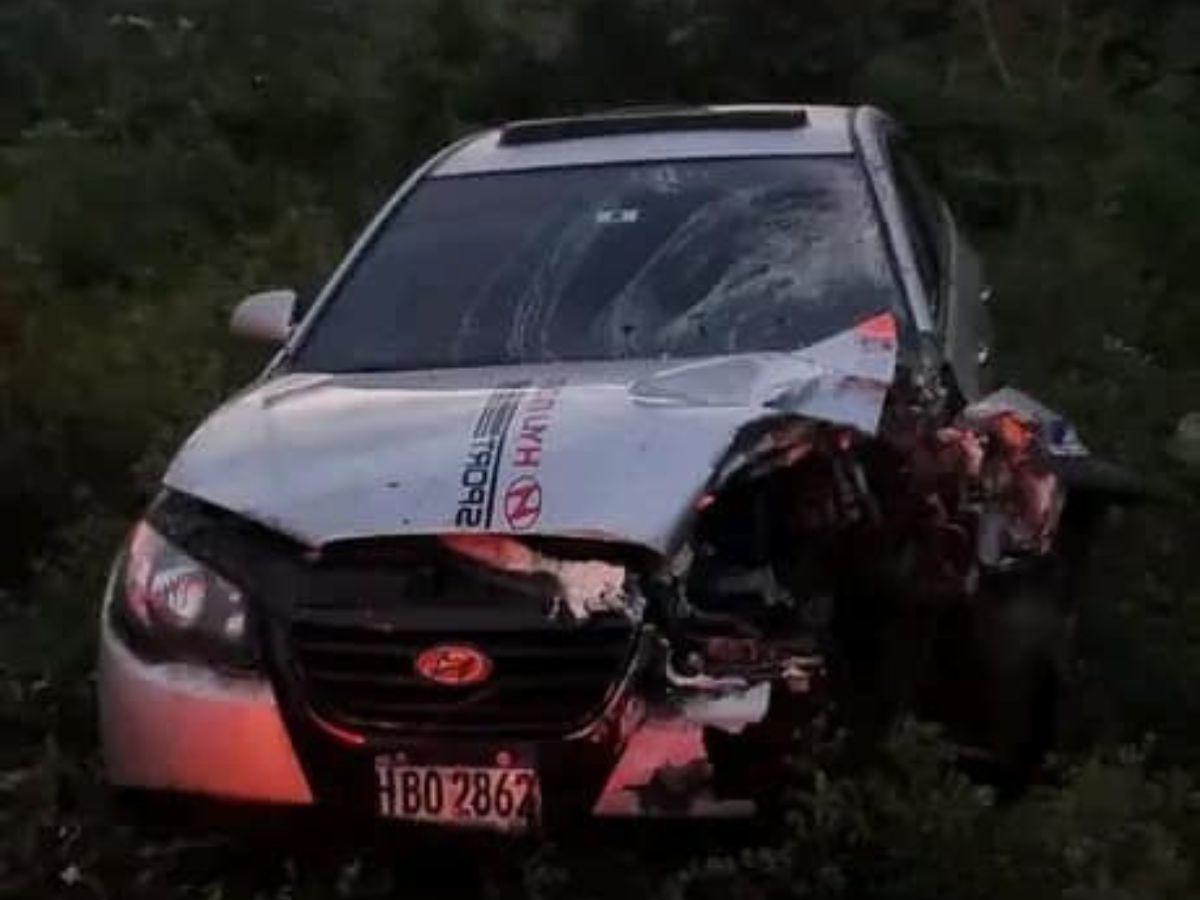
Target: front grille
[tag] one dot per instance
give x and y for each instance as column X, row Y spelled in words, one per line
column 546, row 680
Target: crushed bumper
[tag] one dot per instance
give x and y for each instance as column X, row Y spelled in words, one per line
column 664, row 772
column 181, row 727
column 185, row 728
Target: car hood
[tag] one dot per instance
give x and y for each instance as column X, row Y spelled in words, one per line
column 615, row 450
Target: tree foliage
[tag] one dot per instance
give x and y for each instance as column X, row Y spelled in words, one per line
column 159, row 158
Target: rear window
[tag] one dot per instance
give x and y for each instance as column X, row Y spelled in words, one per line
column 663, row 259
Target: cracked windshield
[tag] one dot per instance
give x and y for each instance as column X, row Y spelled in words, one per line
column 665, row 259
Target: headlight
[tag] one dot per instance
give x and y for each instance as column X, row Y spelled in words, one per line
column 171, row 606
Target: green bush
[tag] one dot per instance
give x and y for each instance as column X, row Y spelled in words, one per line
column 160, row 158
column 914, row 826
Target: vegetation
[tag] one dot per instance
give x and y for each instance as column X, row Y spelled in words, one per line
column 160, row 158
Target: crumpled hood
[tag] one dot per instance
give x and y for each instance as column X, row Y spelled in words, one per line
column 616, row 450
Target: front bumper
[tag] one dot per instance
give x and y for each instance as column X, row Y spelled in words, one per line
column 183, row 727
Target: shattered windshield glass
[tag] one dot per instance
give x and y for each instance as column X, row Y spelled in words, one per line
column 663, row 259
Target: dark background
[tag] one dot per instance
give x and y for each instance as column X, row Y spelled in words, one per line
column 161, row 158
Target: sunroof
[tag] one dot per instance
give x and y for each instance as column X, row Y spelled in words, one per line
column 698, row 119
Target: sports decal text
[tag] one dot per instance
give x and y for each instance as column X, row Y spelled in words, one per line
column 511, row 430
column 477, row 483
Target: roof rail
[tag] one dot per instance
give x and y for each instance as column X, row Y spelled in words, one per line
column 699, row 118
column 643, row 109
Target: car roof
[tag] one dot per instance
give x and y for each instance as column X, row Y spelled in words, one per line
column 702, row 132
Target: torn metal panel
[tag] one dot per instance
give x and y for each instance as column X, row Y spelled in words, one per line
column 1057, row 434
column 665, row 767
column 841, row 380
column 591, row 587
column 585, row 587
column 729, row 710
column 1022, row 495
column 665, row 771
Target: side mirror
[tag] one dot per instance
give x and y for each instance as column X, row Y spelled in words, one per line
column 266, row 316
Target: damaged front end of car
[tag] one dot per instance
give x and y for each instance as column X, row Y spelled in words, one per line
column 824, row 573
column 631, row 594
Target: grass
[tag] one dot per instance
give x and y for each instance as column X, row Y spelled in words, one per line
column 158, row 161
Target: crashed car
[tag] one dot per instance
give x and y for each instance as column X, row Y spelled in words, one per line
column 618, row 448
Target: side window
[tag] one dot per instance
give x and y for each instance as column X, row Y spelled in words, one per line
column 923, row 217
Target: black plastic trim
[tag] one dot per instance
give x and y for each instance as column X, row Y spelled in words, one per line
column 539, row 131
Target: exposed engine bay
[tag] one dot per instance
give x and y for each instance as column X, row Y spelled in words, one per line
column 807, row 547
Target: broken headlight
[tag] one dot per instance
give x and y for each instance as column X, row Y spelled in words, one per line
column 171, row 606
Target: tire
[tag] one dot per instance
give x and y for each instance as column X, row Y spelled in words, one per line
column 1022, row 640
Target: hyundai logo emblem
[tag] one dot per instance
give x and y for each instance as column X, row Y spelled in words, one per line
column 453, row 665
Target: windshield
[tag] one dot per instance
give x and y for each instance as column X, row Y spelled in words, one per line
column 663, row 259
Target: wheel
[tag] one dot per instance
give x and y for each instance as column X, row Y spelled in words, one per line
column 1021, row 637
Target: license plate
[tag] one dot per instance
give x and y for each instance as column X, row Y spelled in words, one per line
column 503, row 799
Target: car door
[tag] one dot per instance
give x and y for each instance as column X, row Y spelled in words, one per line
column 951, row 272
column 964, row 322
